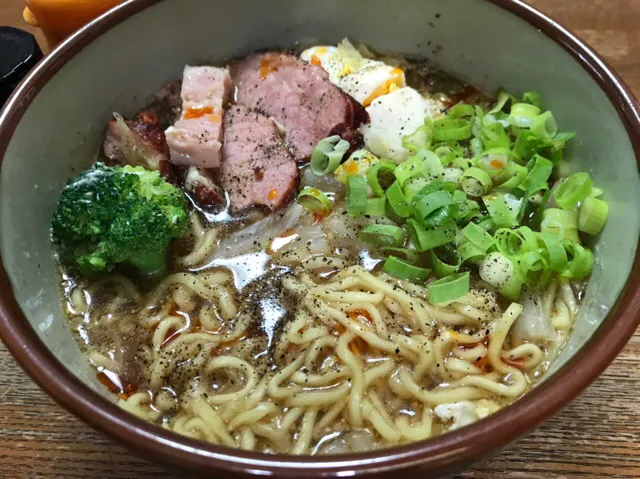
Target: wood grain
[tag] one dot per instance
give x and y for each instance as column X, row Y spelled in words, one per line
column 596, row 436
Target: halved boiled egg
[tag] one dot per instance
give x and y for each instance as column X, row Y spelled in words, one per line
column 363, row 79
column 394, row 116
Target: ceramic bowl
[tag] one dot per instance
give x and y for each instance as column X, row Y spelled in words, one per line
column 52, row 127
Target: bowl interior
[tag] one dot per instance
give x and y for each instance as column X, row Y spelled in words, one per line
column 476, row 40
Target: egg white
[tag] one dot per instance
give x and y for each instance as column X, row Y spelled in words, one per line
column 394, row 116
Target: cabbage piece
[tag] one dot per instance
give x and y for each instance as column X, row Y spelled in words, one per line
column 533, row 324
column 257, row 235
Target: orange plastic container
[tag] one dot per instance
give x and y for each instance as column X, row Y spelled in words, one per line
column 60, row 18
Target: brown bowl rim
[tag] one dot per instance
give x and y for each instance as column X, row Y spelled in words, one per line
column 443, row 453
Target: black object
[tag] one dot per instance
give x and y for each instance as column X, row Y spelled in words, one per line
column 19, row 52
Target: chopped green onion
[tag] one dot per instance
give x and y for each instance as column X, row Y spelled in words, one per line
column 424, row 239
column 376, row 207
column 314, row 200
column 503, row 209
column 595, row 192
column 537, row 179
column 525, row 145
column 512, row 176
column 382, row 235
column 413, row 186
column 449, row 153
column 558, row 143
column 380, row 177
column 470, row 252
column 327, row 155
column 475, row 182
column 592, row 215
column 532, row 97
column 476, row 145
column 398, row 201
column 446, row 129
column 510, row 242
column 356, row 195
column 433, row 209
column 580, row 261
column 478, row 236
column 463, row 163
column 544, row 126
column 445, row 261
column 533, row 268
column 537, row 216
column 431, row 166
column 452, row 175
column 449, row 288
column 487, row 223
column 503, row 99
column 494, row 161
column 408, row 169
column 495, row 136
column 522, row 115
column 461, row 110
column 467, row 210
column 419, row 139
column 554, row 252
column 512, row 289
column 572, row 190
column 560, row 223
column 403, row 270
column 405, row 254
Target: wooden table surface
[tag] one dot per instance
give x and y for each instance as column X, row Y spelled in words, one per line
column 596, row 436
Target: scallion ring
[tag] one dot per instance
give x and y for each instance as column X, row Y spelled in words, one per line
column 356, row 198
column 544, row 126
column 380, row 177
column 314, row 200
column 410, row 168
column 503, row 209
column 376, row 207
column 433, row 209
column 580, row 261
column 382, row 235
column 449, row 288
column 478, row 236
column 403, row 270
column 475, row 182
column 398, row 201
column 532, row 97
column 572, row 190
column 522, row 115
column 447, row 129
column 405, row 254
column 562, row 224
column 592, row 215
column 426, row 239
column 445, row 261
column 328, row 154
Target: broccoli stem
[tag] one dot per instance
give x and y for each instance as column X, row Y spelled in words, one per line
column 149, row 262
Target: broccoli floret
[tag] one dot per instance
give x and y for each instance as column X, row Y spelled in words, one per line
column 112, row 215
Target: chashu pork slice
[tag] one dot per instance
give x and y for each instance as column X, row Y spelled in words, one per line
column 137, row 142
column 257, row 168
column 300, row 97
column 196, row 138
